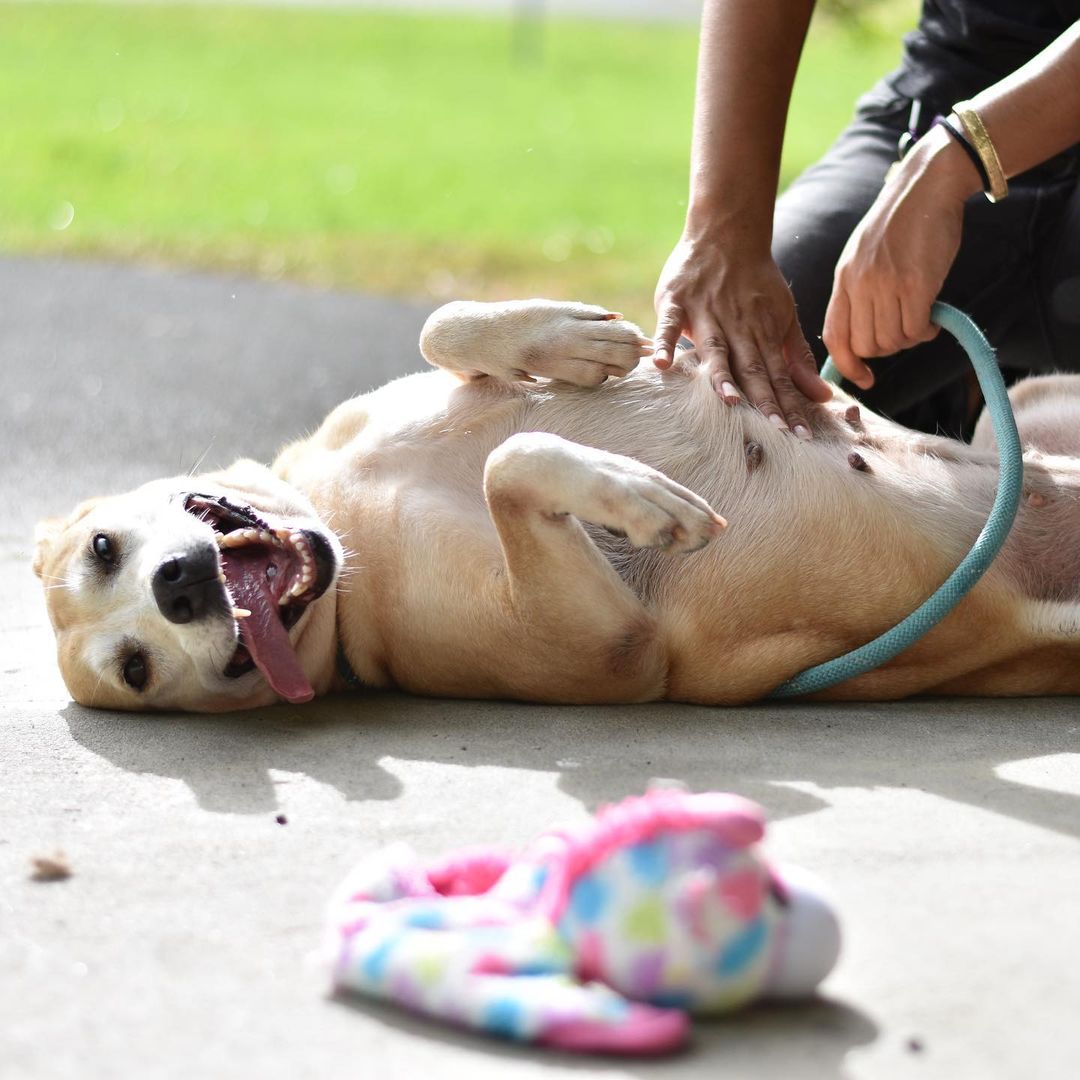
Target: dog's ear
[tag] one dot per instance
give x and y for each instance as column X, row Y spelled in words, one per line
column 45, row 534
column 47, row 531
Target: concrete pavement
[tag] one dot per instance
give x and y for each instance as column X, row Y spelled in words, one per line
column 182, row 944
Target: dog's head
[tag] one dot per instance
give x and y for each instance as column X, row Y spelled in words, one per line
column 207, row 593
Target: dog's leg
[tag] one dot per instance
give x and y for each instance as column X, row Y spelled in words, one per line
column 585, row 636
column 1047, row 409
column 521, row 339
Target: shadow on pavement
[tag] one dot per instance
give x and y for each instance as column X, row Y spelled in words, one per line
column 810, row 1038
column 947, row 748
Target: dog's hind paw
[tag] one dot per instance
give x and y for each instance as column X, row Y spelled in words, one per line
column 654, row 511
column 617, row 493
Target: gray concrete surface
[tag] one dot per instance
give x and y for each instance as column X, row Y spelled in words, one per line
column 182, row 946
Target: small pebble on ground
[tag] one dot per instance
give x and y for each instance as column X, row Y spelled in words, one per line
column 50, row 867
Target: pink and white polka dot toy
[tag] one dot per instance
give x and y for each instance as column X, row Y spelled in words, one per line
column 601, row 938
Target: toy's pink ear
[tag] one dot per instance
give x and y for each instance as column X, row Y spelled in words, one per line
column 641, row 1031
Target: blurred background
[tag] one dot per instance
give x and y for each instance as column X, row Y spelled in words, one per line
column 429, row 148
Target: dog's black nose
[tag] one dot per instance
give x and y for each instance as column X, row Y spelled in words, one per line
column 186, row 585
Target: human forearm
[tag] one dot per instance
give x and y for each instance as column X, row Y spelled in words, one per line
column 746, row 67
column 720, row 285
column 1034, row 113
column 896, row 261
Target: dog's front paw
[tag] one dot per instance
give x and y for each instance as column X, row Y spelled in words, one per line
column 578, row 343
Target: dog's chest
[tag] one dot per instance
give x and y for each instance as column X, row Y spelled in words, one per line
column 434, row 440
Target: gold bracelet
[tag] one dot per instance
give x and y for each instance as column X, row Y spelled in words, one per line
column 984, row 147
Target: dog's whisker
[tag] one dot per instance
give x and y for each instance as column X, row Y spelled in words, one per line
column 60, row 583
column 202, row 457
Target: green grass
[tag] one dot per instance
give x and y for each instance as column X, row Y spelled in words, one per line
column 397, row 153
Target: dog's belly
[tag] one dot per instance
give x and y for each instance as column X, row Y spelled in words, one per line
column 820, row 554
column 433, row 431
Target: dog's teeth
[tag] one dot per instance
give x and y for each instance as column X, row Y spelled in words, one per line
column 243, row 537
column 299, row 542
column 241, row 613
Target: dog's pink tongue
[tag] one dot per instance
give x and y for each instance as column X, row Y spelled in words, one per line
column 266, row 637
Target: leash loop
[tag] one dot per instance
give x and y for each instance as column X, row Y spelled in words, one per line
column 988, row 543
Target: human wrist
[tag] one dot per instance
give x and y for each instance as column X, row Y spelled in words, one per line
column 937, row 162
column 721, row 224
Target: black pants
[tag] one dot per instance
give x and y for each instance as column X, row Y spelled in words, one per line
column 1017, row 273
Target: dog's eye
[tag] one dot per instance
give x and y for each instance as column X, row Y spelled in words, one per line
column 104, row 548
column 135, row 671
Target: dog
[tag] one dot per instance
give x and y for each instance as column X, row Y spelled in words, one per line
column 535, row 520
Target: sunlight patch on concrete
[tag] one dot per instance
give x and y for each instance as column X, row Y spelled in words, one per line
column 1054, row 772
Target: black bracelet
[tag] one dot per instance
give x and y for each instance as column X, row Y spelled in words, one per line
column 955, row 131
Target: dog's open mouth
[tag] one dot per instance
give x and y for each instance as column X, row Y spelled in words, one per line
column 271, row 575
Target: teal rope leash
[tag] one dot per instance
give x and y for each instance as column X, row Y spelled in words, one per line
column 977, row 561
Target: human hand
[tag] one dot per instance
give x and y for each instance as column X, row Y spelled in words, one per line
column 740, row 314
column 895, row 262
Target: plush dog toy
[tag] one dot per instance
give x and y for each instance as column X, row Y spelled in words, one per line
column 601, row 938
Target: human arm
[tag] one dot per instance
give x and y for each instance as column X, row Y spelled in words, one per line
column 720, row 285
column 896, row 260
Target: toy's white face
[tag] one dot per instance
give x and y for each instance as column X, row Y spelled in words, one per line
column 810, row 945
column 208, row 593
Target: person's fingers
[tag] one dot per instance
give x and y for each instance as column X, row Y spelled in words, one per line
column 669, row 327
column 861, row 319
column 716, row 357
column 837, row 337
column 915, row 318
column 790, row 401
column 889, row 336
column 753, row 375
column 803, row 366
